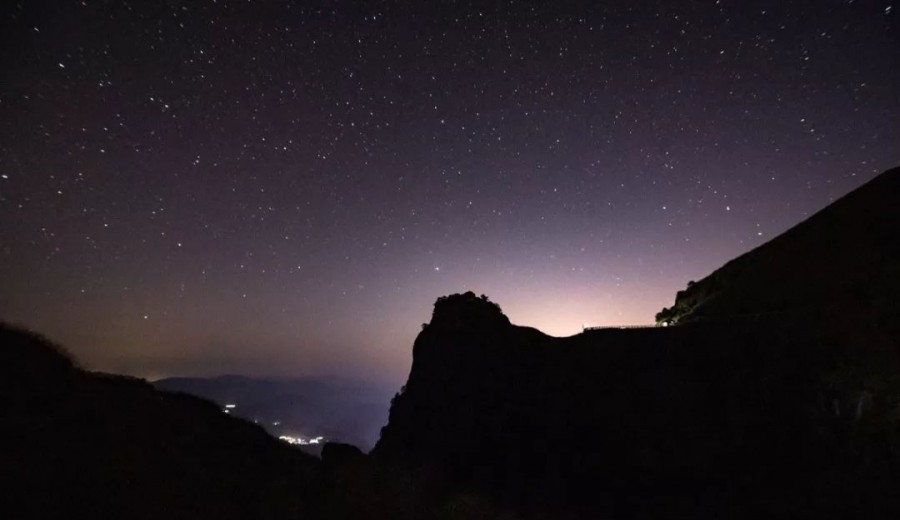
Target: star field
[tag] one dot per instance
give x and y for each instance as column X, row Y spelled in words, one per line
column 286, row 187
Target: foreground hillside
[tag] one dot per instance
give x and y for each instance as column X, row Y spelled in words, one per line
column 845, row 256
column 83, row 445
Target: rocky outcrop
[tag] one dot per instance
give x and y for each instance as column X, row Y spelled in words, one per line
column 740, row 417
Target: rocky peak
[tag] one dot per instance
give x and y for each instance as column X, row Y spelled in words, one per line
column 466, row 311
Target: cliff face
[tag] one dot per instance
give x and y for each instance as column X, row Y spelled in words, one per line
column 778, row 394
column 469, row 355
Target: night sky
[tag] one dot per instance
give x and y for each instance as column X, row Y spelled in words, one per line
column 284, row 188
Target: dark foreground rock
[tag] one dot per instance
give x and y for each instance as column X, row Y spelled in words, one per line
column 744, row 417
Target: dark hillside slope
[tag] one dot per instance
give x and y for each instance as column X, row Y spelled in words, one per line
column 82, row 445
column 846, row 255
column 739, row 418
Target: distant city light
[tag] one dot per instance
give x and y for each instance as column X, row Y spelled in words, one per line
column 301, row 441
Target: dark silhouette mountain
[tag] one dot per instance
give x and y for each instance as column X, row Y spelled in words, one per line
column 778, row 396
column 339, row 409
column 737, row 418
column 845, row 256
column 85, row 445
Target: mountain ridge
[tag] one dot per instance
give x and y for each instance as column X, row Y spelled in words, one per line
column 850, row 248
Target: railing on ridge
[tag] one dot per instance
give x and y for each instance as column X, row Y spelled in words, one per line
column 610, row 327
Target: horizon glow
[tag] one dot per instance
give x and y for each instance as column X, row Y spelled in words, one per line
column 199, row 189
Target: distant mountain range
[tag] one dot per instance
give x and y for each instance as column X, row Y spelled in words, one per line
column 338, row 409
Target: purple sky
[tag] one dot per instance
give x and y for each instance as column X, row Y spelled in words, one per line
column 210, row 187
